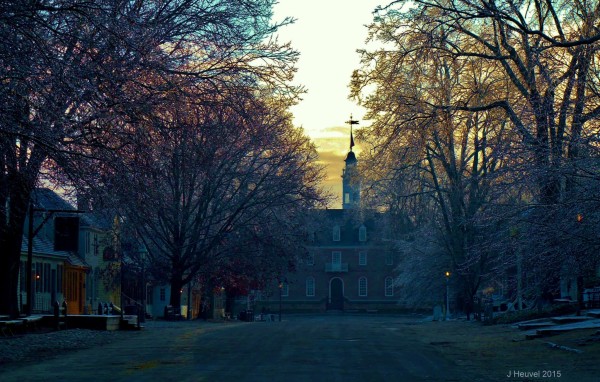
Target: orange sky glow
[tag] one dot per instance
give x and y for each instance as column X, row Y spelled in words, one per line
column 327, row 35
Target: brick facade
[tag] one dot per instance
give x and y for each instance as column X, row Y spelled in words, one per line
column 350, row 264
column 346, row 271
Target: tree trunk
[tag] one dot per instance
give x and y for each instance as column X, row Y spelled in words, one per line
column 176, row 287
column 10, row 245
column 9, row 273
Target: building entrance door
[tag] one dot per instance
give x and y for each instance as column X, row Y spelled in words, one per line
column 336, row 294
column 74, row 290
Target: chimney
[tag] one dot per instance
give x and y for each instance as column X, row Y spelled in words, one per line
column 83, row 203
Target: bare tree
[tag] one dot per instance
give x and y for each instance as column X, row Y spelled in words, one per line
column 205, row 169
column 449, row 162
column 546, row 55
column 495, row 105
column 76, row 74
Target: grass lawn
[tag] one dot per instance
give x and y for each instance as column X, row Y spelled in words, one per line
column 492, row 352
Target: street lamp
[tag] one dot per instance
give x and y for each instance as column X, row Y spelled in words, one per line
column 280, row 294
column 143, row 253
column 121, row 276
column 189, row 300
column 447, row 274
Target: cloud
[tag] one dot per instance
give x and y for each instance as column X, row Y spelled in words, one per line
column 332, row 150
column 340, row 131
column 336, row 131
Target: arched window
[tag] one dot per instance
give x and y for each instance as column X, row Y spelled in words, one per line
column 362, row 233
column 285, row 289
column 389, row 286
column 362, row 286
column 310, row 286
column 336, row 233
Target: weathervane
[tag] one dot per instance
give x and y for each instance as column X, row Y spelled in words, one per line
column 351, row 122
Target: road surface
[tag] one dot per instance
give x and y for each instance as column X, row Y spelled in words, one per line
column 300, row 348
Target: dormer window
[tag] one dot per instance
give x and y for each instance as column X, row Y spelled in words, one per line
column 362, row 233
column 336, row 233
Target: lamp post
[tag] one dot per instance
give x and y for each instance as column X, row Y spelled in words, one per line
column 447, row 274
column 121, row 276
column 280, row 295
column 143, row 253
column 189, row 300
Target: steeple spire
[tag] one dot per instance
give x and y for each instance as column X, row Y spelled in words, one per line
column 350, row 176
column 351, row 122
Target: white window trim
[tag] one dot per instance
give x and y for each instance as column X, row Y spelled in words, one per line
column 337, row 235
column 362, row 258
column 362, row 233
column 88, row 244
column 361, row 292
column 95, row 244
column 310, row 284
column 389, row 289
column 337, row 254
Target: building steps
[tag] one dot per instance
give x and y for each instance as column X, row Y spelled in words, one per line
column 556, row 325
column 130, row 322
column 594, row 313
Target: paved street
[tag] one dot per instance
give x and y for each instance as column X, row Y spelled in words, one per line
column 301, row 348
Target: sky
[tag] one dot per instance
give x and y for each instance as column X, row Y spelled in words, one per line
column 327, row 34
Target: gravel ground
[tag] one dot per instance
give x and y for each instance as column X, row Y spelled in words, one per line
column 44, row 344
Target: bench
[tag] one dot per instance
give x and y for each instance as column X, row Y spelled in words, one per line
column 173, row 313
column 265, row 317
column 8, row 327
column 31, row 322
